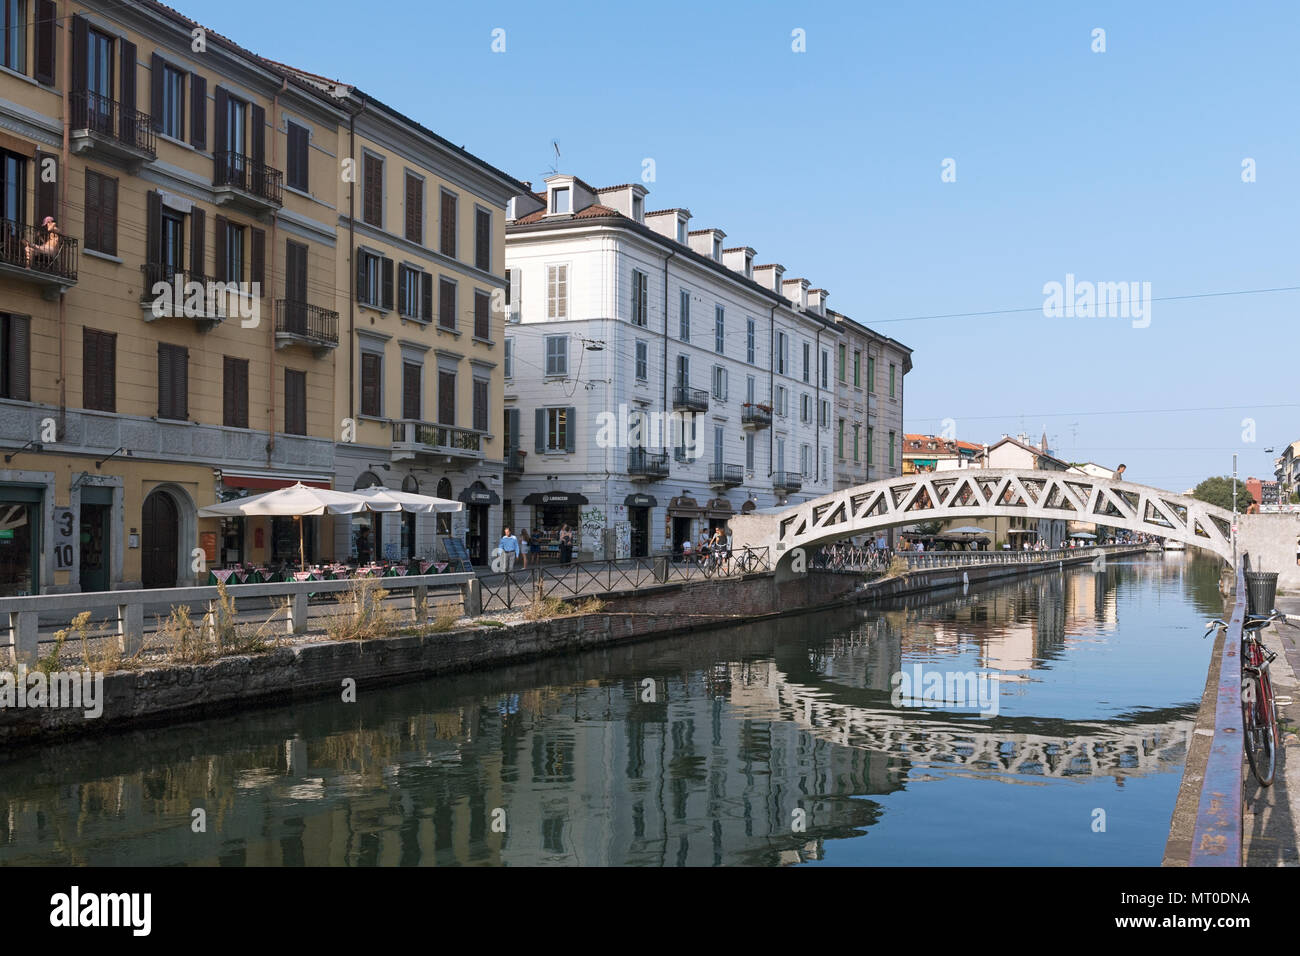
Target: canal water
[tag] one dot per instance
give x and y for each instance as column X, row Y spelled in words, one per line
column 783, row 742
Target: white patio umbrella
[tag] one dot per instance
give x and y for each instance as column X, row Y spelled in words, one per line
column 379, row 498
column 292, row 502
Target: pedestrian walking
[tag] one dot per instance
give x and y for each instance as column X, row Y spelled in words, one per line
column 566, row 544
column 509, row 549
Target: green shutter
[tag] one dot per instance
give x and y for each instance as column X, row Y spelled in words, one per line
column 540, row 433
column 570, row 429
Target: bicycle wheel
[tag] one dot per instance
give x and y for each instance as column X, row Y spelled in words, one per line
column 1259, row 734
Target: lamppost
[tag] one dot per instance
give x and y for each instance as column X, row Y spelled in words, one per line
column 1234, row 512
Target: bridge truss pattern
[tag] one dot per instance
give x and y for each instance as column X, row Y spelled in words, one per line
column 974, row 493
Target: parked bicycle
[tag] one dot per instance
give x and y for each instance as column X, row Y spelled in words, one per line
column 1258, row 705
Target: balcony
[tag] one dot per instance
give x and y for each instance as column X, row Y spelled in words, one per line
column 239, row 181
column 104, row 128
column 188, row 295
column 297, row 323
column 29, row 254
column 412, row 438
column 687, row 399
column 646, row 466
column 787, row 482
column 514, row 461
column 725, row 476
column 756, row 417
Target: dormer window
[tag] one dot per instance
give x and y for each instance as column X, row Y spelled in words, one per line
column 717, row 248
column 638, row 208
column 681, row 231
column 749, row 267
column 560, row 201
column 510, row 208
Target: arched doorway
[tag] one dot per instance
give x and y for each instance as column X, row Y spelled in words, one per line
column 160, row 529
column 367, row 526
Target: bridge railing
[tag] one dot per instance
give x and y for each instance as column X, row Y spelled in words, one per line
column 1216, row 836
column 964, row 559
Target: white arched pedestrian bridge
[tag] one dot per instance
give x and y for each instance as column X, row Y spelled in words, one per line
column 986, row 492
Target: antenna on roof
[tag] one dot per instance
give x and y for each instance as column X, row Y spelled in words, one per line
column 555, row 145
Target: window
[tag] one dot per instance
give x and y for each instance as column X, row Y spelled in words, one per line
column 638, row 208
column 781, row 400
column 719, row 329
column 296, row 162
column 101, row 213
column 413, row 216
column 483, row 240
column 173, row 382
column 557, row 292
column 780, row 455
column 824, row 414
column 295, row 402
column 13, row 187
column 234, row 253
column 448, row 243
column 99, row 72
column 642, row 360
column 172, row 244
column 684, row 371
column 409, row 286
column 482, row 323
column 685, row 317
column 826, row 369
column 560, row 199
column 750, row 387
column 687, row 429
column 782, row 353
column 372, row 191
column 807, row 362
column 234, row 392
column 825, row 464
column 750, row 338
column 891, row 379
column 510, row 356
column 843, row 362
column 557, row 429
column 375, row 281
column 557, row 355
column 717, row 248
column 173, row 102
column 871, row 440
column 803, row 459
column 718, row 443
column 640, row 298
column 871, row 373
column 681, row 231
column 857, row 368
column 446, row 303
column 480, row 399
column 412, row 388
column 891, row 449
column 15, row 357
column 372, row 384
column 839, row 439
column 805, row 408
column 855, row 444
column 446, row 397
column 719, row 383
column 749, row 451
column 13, row 29
column 98, row 370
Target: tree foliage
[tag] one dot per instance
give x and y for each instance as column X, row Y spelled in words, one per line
column 1218, row 491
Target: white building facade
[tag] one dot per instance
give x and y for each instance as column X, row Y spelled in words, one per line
column 657, row 380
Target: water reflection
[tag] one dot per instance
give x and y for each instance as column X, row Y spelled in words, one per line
column 772, row 743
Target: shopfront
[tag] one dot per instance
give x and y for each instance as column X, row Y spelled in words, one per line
column 683, row 512
column 718, row 512
column 20, row 540
column 478, row 498
column 638, row 519
column 96, row 523
column 552, row 510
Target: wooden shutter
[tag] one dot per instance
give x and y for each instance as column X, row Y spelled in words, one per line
column 219, row 237
column 426, row 297
column 539, row 428
column 362, row 291
column 198, row 253
column 257, row 120
column 108, row 215
column 512, row 429
column 46, row 22
column 403, row 307
column 153, row 227
column 570, row 428
column 370, row 367
column 482, row 328
column 411, row 390
column 173, row 381
column 482, row 239
column 387, row 272
column 298, row 156
column 446, row 304
column 446, row 398
column 219, row 130
column 99, row 370
column 126, row 95
column 295, row 402
column 20, row 358
column 448, row 247
column 257, row 272
column 198, row 112
column 295, row 271
column 92, row 212
column 47, row 193
column 156, row 92
column 80, row 52
column 480, row 404
column 235, row 392
column 414, row 208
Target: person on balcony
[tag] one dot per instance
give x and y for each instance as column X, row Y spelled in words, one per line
column 50, row 247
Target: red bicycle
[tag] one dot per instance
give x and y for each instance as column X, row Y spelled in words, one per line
column 1258, row 705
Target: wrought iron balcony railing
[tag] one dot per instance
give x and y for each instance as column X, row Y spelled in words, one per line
column 33, row 250
column 644, row 464
column 690, row 399
column 306, row 323
column 727, row 475
column 440, row 439
column 107, row 118
column 787, row 481
column 188, row 294
column 756, row 417
column 514, row 463
column 237, row 171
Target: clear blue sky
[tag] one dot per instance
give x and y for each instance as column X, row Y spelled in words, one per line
column 1115, row 166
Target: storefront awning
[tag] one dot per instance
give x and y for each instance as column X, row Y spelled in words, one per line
column 271, row 482
column 555, row 498
column 684, row 507
column 479, row 496
column 719, row 508
column 640, row 501
column 748, row 506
